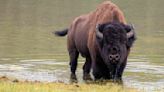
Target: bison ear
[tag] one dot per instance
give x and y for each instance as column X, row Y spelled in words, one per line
column 131, row 35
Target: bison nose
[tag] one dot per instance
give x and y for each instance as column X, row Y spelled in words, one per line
column 114, row 50
column 114, row 57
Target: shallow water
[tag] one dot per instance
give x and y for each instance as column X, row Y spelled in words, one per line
column 29, row 50
column 138, row 73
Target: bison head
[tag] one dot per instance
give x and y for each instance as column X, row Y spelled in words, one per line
column 114, row 40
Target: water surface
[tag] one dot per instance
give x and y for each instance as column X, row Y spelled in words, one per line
column 29, row 50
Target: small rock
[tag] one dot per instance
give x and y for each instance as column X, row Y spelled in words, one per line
column 15, row 80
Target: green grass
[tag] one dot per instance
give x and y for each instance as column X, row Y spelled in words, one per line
column 13, row 85
column 61, row 87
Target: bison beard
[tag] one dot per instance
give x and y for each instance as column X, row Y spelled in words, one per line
column 103, row 38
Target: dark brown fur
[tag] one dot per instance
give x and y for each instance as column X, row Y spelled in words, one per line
column 82, row 39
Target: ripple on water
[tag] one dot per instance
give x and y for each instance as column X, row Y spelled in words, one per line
column 44, row 62
column 145, row 67
column 9, row 67
column 145, row 76
column 145, row 86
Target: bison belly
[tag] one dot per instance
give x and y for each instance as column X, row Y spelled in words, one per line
column 81, row 38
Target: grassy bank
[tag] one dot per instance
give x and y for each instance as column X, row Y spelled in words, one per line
column 60, row 87
column 16, row 86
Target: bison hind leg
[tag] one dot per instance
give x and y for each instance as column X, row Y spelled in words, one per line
column 73, row 53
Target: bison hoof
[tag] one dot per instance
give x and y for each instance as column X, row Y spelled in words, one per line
column 73, row 78
column 87, row 77
column 118, row 80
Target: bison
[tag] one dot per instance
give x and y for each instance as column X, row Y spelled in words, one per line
column 102, row 37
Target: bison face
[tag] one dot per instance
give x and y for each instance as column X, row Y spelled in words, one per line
column 114, row 41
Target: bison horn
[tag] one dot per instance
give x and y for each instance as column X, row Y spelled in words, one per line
column 98, row 33
column 131, row 33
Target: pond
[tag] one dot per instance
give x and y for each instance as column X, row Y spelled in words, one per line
column 29, row 50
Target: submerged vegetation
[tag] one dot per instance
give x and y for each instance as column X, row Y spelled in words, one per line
column 7, row 85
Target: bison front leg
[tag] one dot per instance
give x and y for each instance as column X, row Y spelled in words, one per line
column 73, row 62
column 119, row 71
column 97, row 73
column 97, row 67
column 86, row 69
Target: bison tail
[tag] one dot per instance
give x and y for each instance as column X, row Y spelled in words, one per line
column 61, row 33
